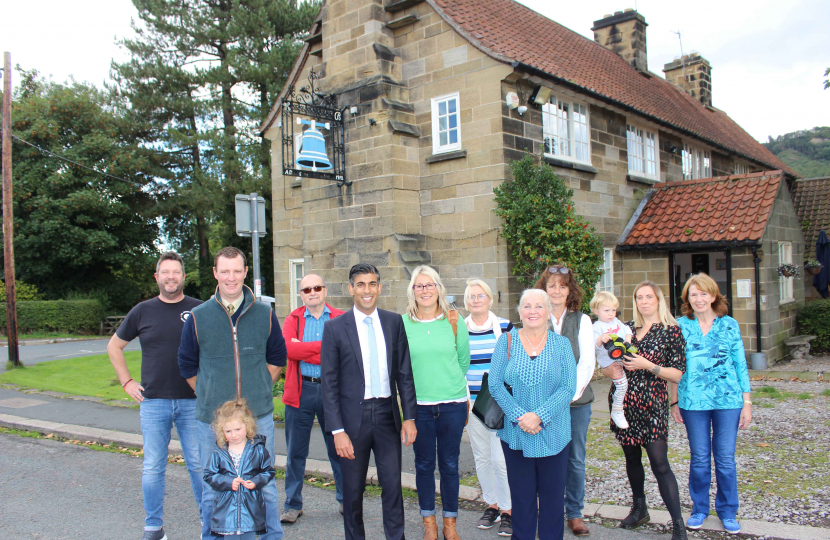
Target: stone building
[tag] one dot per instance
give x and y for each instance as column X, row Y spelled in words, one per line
column 811, row 197
column 441, row 95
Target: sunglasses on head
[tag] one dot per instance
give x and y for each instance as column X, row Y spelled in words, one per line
column 558, row 270
column 316, row 288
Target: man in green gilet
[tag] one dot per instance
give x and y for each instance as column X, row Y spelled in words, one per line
column 232, row 347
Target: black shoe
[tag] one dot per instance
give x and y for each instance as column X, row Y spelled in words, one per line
column 506, row 526
column 678, row 530
column 490, row 517
column 154, row 535
column 638, row 515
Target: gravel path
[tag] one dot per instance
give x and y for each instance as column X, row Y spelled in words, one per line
column 819, row 363
column 783, row 468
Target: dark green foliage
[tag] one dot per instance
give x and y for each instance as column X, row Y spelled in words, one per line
column 22, row 291
column 814, row 319
column 56, row 316
column 806, row 151
column 542, row 228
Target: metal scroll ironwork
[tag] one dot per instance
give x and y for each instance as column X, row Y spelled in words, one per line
column 310, row 104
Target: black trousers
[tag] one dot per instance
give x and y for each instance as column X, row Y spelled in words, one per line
column 378, row 434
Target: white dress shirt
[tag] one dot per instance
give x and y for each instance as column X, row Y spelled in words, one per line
column 363, row 336
column 586, row 363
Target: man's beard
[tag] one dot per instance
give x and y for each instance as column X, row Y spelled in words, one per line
column 173, row 294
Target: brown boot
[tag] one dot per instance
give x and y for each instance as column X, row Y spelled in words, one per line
column 578, row 527
column 449, row 529
column 430, row 528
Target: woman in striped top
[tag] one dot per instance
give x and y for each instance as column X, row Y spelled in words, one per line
column 485, row 328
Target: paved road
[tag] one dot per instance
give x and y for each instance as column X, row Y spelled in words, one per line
column 56, row 491
column 33, row 354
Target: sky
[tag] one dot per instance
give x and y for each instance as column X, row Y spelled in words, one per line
column 768, row 57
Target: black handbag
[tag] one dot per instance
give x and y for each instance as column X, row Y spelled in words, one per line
column 485, row 407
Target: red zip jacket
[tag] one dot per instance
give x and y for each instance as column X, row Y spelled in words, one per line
column 309, row 352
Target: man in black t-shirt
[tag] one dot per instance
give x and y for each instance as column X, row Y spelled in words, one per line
column 164, row 397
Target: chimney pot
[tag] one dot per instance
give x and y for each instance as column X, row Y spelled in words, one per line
column 618, row 13
column 628, row 10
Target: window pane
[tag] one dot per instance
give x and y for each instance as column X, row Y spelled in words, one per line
column 443, row 138
column 452, row 105
column 453, row 120
column 442, row 123
column 442, row 108
column 453, row 136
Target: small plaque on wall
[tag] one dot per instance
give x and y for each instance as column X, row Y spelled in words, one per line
column 744, row 288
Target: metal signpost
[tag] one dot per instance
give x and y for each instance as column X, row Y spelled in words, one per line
column 250, row 221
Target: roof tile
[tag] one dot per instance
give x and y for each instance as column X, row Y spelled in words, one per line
column 811, row 198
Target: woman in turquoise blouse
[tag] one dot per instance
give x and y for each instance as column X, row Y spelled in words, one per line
column 714, row 399
column 541, row 369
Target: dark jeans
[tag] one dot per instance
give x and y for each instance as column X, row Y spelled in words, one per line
column 575, row 488
column 379, row 435
column 537, row 487
column 299, row 422
column 713, row 434
column 439, row 428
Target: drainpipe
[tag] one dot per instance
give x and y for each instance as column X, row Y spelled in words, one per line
column 757, row 360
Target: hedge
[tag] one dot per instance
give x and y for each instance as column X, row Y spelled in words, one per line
column 56, row 316
column 814, row 319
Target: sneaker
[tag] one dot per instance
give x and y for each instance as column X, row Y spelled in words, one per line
column 154, row 535
column 290, row 515
column 506, row 526
column 618, row 417
column 490, row 517
column 695, row 521
column 732, row 526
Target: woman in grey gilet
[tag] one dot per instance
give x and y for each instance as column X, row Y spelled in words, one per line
column 568, row 321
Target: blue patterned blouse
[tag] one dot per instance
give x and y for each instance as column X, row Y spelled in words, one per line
column 544, row 385
column 716, row 373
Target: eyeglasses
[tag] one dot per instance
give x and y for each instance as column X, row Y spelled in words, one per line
column 428, row 286
column 558, row 270
column 479, row 297
column 316, row 288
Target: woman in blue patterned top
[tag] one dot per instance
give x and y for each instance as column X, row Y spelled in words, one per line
column 714, row 399
column 540, row 368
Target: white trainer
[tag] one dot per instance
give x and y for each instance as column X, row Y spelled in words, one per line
column 618, row 417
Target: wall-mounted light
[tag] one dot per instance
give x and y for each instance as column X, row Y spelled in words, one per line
column 674, row 149
column 521, row 110
column 372, row 122
column 540, row 95
column 353, row 110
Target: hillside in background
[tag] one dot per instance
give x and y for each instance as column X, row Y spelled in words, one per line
column 807, row 151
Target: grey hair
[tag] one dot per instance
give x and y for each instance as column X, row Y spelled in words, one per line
column 484, row 287
column 542, row 294
column 411, row 303
column 169, row 256
column 322, row 279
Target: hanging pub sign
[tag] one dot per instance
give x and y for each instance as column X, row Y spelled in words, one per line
column 313, row 135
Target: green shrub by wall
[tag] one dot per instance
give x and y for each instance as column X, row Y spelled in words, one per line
column 56, row 316
column 814, row 319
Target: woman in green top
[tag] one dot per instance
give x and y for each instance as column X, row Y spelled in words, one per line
column 440, row 353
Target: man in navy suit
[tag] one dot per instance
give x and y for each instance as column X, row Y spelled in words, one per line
column 364, row 366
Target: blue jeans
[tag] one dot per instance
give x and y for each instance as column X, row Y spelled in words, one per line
column 713, row 433
column 298, row 424
column 207, row 443
column 158, row 416
column 575, row 481
column 439, row 428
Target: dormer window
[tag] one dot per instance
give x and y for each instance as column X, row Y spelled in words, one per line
column 565, row 130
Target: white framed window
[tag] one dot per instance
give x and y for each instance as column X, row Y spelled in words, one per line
column 697, row 163
column 565, row 130
column 785, row 284
column 642, row 152
column 606, row 281
column 296, row 271
column 741, row 168
column 446, row 124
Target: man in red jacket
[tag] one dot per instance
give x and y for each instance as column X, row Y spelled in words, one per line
column 303, row 330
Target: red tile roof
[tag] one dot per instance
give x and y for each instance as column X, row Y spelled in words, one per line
column 725, row 210
column 511, row 32
column 811, row 198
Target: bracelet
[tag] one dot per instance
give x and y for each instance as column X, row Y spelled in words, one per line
column 673, row 404
column 124, row 386
column 747, row 402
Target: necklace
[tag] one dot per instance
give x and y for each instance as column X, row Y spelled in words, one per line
column 535, row 347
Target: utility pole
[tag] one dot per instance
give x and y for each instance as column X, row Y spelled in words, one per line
column 8, row 222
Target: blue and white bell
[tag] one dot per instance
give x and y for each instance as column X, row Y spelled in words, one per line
column 313, row 149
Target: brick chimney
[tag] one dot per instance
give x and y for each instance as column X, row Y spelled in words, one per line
column 693, row 74
column 624, row 32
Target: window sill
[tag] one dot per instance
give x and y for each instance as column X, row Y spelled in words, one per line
column 556, row 162
column 787, row 305
column 641, row 179
column 446, row 156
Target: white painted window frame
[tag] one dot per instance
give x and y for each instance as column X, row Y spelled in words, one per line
column 294, row 282
column 554, row 123
column 638, row 150
column 437, row 147
column 697, row 162
column 786, row 285
column 741, row 168
column 606, row 280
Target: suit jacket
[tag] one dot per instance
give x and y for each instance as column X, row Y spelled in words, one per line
column 341, row 364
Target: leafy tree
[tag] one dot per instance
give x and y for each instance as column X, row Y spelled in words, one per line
column 77, row 230
column 22, row 291
column 806, row 151
column 542, row 227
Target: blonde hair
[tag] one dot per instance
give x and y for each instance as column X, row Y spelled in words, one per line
column 233, row 410
column 663, row 313
column 604, row 298
column 708, row 285
column 411, row 303
column 484, row 287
